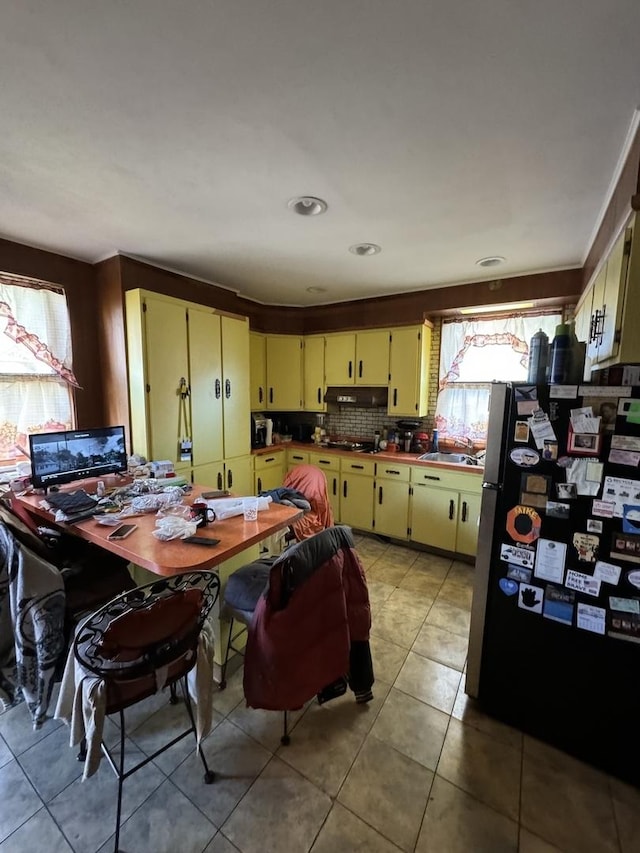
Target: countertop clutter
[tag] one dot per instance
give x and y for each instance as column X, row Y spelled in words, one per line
column 383, row 456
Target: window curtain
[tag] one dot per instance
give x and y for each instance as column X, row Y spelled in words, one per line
column 474, row 353
column 36, row 375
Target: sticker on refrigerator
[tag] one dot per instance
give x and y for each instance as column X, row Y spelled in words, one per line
column 521, row 431
column 566, row 491
column 631, row 458
column 607, row 572
column 594, row 526
column 558, row 604
column 630, row 518
column 534, row 489
column 550, row 559
column 630, row 409
column 541, row 429
column 629, row 443
column 634, row 579
column 626, row 546
column 620, row 491
column 524, row 457
column 555, row 509
column 625, row 605
column 508, row 586
column 591, row 618
column 580, row 472
column 519, row 573
column 586, row 545
column 531, row 598
column 582, row 583
column 563, row 392
column 550, row 450
column 523, row 524
column 604, row 509
column 625, row 626
column 519, row 556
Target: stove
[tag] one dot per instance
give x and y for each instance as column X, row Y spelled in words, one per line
column 352, row 446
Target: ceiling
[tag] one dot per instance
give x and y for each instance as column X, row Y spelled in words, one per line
column 176, row 132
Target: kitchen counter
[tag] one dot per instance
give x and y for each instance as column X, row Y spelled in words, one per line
column 382, row 456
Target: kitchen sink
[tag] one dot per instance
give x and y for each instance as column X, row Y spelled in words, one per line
column 451, row 458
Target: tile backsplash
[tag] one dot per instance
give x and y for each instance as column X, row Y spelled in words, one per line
column 349, row 422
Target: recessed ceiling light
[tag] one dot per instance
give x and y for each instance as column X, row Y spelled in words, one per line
column 307, row 205
column 491, row 261
column 316, row 290
column 365, row 249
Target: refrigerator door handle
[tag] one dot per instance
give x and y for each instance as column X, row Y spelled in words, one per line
column 495, row 487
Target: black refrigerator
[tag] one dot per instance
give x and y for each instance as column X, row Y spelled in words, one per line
column 554, row 645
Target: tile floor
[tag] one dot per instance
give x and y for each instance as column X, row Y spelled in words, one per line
column 418, row 769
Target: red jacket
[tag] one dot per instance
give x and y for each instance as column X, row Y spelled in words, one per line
column 304, row 627
column 312, row 483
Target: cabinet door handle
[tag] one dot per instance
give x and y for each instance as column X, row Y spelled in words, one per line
column 218, row 389
column 395, row 396
column 220, row 484
column 350, row 369
column 360, row 369
column 357, row 467
column 429, row 477
column 319, row 395
column 272, row 459
column 324, row 462
column 259, row 484
column 260, row 394
column 229, row 478
column 380, row 495
column 391, row 471
column 227, row 388
column 452, row 508
column 464, row 510
column 271, row 395
column 344, row 488
column 335, row 486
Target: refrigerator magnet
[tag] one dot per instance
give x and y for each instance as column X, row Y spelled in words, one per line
column 591, row 618
column 550, row 559
column 519, row 556
column 531, row 598
column 630, row 518
column 524, row 457
column 566, row 491
column 508, row 586
column 625, row 626
column 556, row 509
column 558, row 604
column 582, row 583
column 626, row 546
column 624, row 605
column 587, row 545
column 583, row 443
column 550, row 450
column 519, row 573
column 521, row 431
column 523, row 524
column 607, row 572
column 594, row 526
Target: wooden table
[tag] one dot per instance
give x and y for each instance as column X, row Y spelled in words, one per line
column 175, row 556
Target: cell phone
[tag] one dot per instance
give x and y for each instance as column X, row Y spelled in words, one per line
column 219, row 493
column 123, row 531
column 201, row 540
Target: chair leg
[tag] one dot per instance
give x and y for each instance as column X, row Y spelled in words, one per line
column 173, row 698
column 82, row 755
column 209, row 775
column 120, row 782
column 223, row 674
column 285, row 740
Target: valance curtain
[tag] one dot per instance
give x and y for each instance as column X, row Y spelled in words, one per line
column 36, row 375
column 474, row 353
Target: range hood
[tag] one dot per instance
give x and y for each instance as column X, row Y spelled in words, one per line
column 357, row 396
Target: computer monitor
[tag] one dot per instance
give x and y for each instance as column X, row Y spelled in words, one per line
column 61, row 457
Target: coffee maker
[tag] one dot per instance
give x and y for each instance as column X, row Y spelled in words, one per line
column 260, row 431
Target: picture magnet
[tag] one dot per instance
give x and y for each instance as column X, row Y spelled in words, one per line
column 555, row 509
column 521, row 431
column 550, row 450
column 531, row 598
column 566, row 491
column 587, row 545
column 558, row 604
column 626, row 546
column 519, row 573
column 508, row 586
column 594, row 526
column 524, row 457
column 520, row 556
column 523, row 524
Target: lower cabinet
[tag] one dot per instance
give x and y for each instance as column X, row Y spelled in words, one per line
column 356, row 493
column 391, row 501
column 445, row 509
column 330, row 464
column 268, row 472
column 236, row 475
column 296, row 457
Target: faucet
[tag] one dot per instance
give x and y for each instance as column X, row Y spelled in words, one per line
column 463, row 442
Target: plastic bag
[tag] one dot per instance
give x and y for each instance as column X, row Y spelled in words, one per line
column 172, row 527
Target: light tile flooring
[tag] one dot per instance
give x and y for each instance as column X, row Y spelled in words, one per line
column 418, row 769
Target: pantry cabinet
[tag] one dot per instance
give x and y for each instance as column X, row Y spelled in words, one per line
column 410, row 348
column 391, row 500
column 187, row 369
column 445, row 509
column 313, row 370
column 284, row 372
column 357, row 358
column 258, row 371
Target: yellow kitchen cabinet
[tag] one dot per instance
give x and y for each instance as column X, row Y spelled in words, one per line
column 357, row 358
column 582, row 318
column 391, row 507
column 236, row 475
column 339, row 359
column 313, row 368
column 613, row 337
column 268, row 471
column 169, row 340
column 445, row 508
column 329, row 463
column 356, row 493
column 409, row 370
column 284, row 373
column 258, row 371
column 296, row 457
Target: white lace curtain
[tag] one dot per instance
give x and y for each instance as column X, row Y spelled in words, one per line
column 36, row 376
column 474, row 353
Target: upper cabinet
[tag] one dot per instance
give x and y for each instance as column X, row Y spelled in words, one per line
column 357, row 358
column 409, row 370
column 188, row 367
column 284, row 372
column 313, row 358
column 614, row 299
column 258, row 371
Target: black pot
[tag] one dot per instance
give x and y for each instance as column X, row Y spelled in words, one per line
column 408, row 425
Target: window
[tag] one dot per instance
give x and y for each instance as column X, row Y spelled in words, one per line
column 36, row 377
column 474, row 353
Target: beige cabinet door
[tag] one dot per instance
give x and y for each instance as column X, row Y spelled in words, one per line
column 468, row 518
column 205, row 372
column 167, row 362
column 356, row 501
column 409, row 371
column 597, row 315
column 313, row 358
column 434, row 516
column 392, row 508
column 372, row 357
column 614, row 288
column 339, row 359
column 258, row 371
column 235, row 387
column 211, row 475
column 267, row 479
column 330, row 467
column 284, row 373
column 238, row 475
